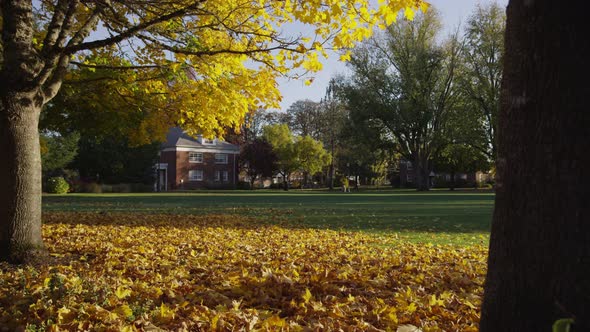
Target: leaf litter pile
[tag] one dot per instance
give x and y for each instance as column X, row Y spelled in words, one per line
column 134, row 272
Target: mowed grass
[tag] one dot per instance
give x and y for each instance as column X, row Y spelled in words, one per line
column 439, row 217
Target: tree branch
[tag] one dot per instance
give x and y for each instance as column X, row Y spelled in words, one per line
column 55, row 26
column 86, row 65
column 70, row 49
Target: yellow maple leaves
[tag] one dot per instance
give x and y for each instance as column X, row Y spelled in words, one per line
column 137, row 272
column 223, row 59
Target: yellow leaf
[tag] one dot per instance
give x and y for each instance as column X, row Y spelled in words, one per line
column 274, row 320
column 307, row 296
column 122, row 293
column 65, row 315
column 123, row 311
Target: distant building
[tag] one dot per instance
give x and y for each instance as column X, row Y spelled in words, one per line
column 407, row 177
column 188, row 162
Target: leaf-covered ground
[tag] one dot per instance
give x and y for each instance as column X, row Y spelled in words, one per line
column 129, row 272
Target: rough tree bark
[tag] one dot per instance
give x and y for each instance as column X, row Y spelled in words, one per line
column 20, row 178
column 21, row 100
column 539, row 263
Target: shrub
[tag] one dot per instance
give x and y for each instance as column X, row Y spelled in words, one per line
column 57, row 185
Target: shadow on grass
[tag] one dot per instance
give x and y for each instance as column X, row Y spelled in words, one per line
column 384, row 211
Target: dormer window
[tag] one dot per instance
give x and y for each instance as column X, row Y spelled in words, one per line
column 205, row 141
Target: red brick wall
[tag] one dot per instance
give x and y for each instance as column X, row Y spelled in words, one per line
column 178, row 173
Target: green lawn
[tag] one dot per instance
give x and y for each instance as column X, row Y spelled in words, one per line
column 438, row 216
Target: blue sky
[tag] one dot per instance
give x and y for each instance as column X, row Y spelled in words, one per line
column 453, row 12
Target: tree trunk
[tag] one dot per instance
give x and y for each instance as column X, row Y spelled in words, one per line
column 285, row 183
column 20, row 178
column 331, row 179
column 252, row 180
column 452, row 187
column 331, row 171
column 422, row 174
column 539, row 262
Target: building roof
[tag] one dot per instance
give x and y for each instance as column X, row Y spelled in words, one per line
column 176, row 137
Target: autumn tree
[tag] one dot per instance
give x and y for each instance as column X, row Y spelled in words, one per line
column 540, row 243
column 208, row 61
column 404, row 84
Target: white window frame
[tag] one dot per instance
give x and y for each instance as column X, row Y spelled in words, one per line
column 225, row 176
column 217, row 176
column 195, row 175
column 198, row 157
column 219, row 160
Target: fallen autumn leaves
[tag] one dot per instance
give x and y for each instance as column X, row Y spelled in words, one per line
column 129, row 272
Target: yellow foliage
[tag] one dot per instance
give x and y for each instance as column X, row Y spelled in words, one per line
column 141, row 272
column 207, row 73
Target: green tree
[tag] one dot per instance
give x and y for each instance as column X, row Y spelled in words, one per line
column 334, row 116
column 304, row 118
column 115, row 160
column 481, row 74
column 58, row 151
column 311, row 155
column 403, row 84
column 295, row 153
column 283, row 144
column 459, row 158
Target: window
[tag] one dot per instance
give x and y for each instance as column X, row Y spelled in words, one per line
column 225, row 176
column 409, row 178
column 220, row 158
column 409, row 165
column 208, row 141
column 217, row 177
column 195, row 175
column 195, row 157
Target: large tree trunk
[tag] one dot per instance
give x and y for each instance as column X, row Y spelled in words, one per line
column 20, row 178
column 539, row 262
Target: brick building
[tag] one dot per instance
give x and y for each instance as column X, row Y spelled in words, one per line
column 188, row 162
column 407, row 177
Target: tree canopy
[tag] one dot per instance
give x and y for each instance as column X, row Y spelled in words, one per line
column 402, row 84
column 208, row 61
